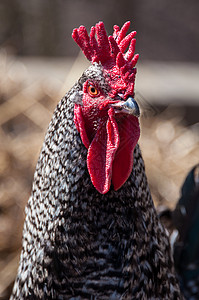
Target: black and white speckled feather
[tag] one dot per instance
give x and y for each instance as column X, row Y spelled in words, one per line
column 80, row 244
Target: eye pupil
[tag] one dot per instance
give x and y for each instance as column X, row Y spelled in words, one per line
column 93, row 91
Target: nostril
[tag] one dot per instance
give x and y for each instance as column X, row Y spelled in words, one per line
column 121, row 96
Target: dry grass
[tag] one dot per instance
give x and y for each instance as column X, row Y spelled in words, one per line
column 169, row 149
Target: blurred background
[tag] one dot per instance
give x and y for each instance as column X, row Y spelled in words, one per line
column 39, row 62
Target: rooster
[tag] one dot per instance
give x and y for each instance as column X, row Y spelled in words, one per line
column 91, row 230
column 183, row 225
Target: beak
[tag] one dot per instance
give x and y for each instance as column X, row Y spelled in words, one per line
column 129, row 106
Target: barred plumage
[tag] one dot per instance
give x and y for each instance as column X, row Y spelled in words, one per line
column 79, row 243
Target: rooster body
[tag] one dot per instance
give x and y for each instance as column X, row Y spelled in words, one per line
column 186, row 248
column 90, row 233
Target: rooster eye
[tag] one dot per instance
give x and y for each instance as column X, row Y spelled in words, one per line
column 93, row 91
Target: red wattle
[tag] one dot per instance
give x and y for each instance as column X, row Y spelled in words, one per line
column 101, row 154
column 110, row 148
column 129, row 132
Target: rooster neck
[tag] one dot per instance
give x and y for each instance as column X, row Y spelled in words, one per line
column 77, row 242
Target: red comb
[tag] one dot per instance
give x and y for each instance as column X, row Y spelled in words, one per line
column 110, row 50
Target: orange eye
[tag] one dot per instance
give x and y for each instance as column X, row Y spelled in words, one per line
column 93, row 91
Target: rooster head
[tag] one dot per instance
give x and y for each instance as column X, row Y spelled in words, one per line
column 107, row 117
